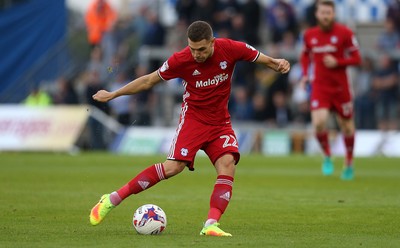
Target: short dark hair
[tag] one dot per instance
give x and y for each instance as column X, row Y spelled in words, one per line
column 199, row 30
column 330, row 3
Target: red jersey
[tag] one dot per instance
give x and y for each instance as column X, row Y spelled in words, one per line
column 208, row 85
column 339, row 42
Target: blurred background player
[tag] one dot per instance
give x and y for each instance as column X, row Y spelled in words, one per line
column 331, row 47
column 206, row 65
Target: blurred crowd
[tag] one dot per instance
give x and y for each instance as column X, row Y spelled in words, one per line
column 258, row 95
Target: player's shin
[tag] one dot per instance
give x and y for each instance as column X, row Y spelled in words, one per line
column 349, row 144
column 220, row 198
column 144, row 180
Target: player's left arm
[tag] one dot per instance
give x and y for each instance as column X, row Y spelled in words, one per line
column 353, row 52
column 353, row 56
column 278, row 65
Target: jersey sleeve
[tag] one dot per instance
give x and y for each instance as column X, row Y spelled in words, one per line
column 351, row 48
column 168, row 70
column 244, row 51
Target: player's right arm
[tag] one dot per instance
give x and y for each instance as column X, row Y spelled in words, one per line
column 140, row 84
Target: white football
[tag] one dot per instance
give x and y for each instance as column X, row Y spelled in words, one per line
column 149, row 219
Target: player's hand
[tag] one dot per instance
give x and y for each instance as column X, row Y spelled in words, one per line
column 303, row 82
column 103, row 96
column 330, row 61
column 283, row 66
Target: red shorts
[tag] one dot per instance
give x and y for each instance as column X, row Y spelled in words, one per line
column 192, row 135
column 339, row 101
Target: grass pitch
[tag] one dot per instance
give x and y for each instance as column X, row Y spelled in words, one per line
column 277, row 202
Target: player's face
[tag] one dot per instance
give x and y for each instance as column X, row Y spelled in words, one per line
column 325, row 15
column 201, row 50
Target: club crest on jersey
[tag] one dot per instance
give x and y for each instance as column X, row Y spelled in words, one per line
column 314, row 103
column 212, row 81
column 334, row 39
column 223, row 65
column 314, row 41
column 184, row 152
column 164, row 67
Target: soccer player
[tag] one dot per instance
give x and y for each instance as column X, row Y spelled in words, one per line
column 206, row 66
column 330, row 47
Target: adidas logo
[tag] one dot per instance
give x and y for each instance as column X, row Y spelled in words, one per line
column 226, row 196
column 143, row 184
column 195, row 73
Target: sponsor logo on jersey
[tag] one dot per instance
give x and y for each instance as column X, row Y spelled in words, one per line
column 324, row 49
column 195, row 73
column 212, row 81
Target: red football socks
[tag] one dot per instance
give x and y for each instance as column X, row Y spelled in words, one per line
column 144, row 180
column 220, row 197
column 349, row 144
column 323, row 140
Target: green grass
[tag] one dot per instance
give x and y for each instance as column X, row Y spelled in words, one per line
column 277, row 202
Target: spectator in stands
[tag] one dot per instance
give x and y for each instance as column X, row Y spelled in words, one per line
column 299, row 97
column 393, row 12
column 144, row 103
column 279, row 113
column 155, row 35
column 96, row 129
column 184, row 10
column 225, row 10
column 281, row 18
column 237, row 31
column 96, row 63
column 364, row 96
column 120, row 107
column 100, row 19
column 309, row 14
column 240, row 105
column 251, row 11
column 65, row 93
column 38, row 97
column 176, row 37
column 259, row 107
column 204, row 10
column 389, row 39
column 386, row 83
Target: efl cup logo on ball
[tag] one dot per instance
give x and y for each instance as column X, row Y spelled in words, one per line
column 149, row 219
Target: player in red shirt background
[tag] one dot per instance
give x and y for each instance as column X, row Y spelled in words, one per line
column 330, row 47
column 206, row 66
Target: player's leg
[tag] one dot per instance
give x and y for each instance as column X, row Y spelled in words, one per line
column 144, row 180
column 188, row 140
column 223, row 151
column 221, row 195
column 319, row 121
column 348, row 129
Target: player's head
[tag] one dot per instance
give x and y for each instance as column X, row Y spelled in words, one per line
column 325, row 13
column 200, row 40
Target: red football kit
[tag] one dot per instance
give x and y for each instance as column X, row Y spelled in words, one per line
column 330, row 86
column 204, row 119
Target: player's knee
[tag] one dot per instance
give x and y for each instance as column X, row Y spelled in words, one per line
column 172, row 167
column 225, row 165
